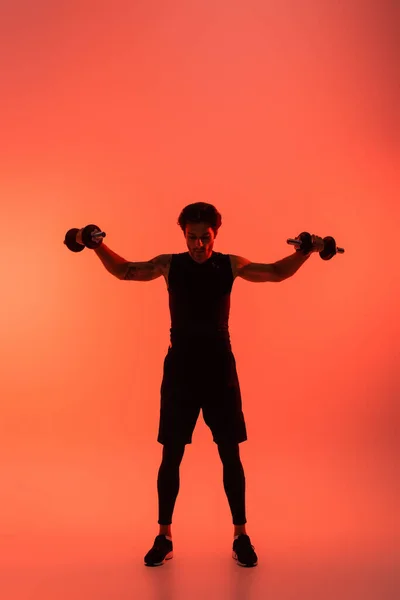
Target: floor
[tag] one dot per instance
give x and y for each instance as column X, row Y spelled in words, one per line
column 96, row 567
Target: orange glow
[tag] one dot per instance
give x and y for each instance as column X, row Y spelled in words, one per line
column 283, row 115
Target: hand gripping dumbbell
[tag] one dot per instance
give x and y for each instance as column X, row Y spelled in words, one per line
column 91, row 236
column 304, row 245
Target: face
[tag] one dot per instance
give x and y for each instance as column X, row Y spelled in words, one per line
column 200, row 241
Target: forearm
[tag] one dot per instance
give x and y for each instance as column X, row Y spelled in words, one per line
column 288, row 266
column 112, row 261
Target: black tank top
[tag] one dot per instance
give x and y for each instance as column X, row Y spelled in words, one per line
column 199, row 297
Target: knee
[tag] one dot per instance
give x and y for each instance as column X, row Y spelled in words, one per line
column 229, row 452
column 173, row 454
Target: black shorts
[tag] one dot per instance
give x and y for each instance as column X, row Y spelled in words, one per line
column 198, row 378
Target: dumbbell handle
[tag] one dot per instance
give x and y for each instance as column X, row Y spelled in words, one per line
column 78, row 236
column 96, row 234
column 298, row 243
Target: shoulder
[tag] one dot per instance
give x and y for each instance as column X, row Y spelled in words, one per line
column 162, row 261
column 237, row 263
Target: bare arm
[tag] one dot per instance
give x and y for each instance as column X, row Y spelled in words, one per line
column 255, row 272
column 112, row 262
column 288, row 266
column 143, row 271
column 132, row 271
column 263, row 272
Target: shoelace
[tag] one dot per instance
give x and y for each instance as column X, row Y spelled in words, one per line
column 251, row 545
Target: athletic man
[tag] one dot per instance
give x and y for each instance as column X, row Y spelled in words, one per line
column 199, row 368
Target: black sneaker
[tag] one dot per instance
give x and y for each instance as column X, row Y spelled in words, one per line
column 160, row 552
column 243, row 551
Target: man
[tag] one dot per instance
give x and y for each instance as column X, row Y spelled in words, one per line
column 199, row 368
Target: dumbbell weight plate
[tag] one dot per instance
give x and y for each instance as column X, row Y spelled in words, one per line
column 70, row 241
column 306, row 242
column 329, row 250
column 87, row 237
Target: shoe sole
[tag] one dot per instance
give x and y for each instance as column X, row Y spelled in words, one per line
column 171, row 555
column 168, row 557
column 234, row 556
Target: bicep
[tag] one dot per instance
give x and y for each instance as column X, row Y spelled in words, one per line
column 259, row 272
column 143, row 271
column 254, row 272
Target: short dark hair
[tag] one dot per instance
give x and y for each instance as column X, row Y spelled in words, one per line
column 200, row 212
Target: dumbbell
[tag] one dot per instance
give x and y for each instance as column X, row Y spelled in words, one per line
column 87, row 236
column 305, row 244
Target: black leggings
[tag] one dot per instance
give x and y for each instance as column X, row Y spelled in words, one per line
column 233, row 478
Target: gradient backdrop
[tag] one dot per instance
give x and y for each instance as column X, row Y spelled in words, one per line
column 283, row 114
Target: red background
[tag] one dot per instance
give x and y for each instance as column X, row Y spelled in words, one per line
column 285, row 116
